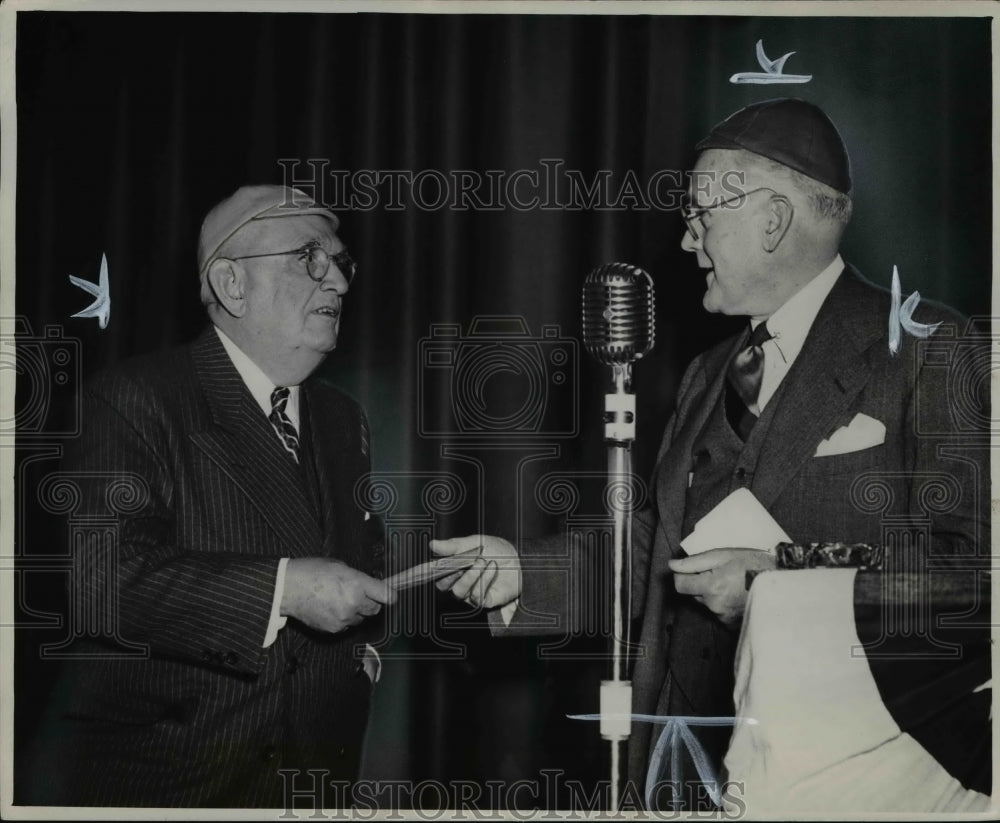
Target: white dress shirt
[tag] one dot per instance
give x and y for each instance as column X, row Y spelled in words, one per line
column 790, row 326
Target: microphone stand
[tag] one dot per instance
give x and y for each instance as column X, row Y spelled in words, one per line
column 616, row 692
column 618, row 329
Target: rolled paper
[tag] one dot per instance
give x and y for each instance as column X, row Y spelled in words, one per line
column 433, row 570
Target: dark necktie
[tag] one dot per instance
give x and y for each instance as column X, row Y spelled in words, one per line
column 745, row 373
column 282, row 424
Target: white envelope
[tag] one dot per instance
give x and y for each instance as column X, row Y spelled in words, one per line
column 738, row 521
column 863, row 432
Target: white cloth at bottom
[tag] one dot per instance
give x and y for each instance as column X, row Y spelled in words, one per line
column 823, row 742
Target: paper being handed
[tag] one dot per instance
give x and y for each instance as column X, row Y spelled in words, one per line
column 433, row 570
column 739, row 521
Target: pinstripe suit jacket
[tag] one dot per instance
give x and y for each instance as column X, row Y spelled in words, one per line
column 933, row 468
column 211, row 501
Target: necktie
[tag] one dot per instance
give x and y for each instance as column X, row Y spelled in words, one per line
column 745, row 373
column 282, row 425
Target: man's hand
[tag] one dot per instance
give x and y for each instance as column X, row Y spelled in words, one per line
column 717, row 578
column 493, row 580
column 331, row 596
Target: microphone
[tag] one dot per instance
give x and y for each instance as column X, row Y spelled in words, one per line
column 618, row 314
column 618, row 329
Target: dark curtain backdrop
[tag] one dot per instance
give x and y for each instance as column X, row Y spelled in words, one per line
column 132, row 125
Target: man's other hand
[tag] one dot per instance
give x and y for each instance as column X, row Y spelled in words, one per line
column 717, row 578
column 493, row 580
column 331, row 596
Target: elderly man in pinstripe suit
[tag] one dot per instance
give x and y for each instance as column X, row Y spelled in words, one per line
column 247, row 570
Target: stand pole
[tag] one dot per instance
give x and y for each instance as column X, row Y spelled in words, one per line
column 616, row 692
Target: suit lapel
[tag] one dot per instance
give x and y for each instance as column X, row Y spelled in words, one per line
column 243, row 444
column 818, row 390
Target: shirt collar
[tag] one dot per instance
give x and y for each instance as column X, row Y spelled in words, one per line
column 258, row 383
column 790, row 324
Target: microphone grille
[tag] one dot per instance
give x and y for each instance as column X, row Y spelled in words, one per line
column 618, row 313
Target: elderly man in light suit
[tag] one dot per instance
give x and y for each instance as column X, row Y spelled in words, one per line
column 797, row 408
column 246, row 568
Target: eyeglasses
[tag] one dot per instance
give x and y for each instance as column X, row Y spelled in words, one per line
column 317, row 260
column 692, row 215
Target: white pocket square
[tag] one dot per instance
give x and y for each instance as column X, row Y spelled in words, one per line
column 863, row 432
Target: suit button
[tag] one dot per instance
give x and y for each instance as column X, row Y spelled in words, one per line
column 340, row 751
column 269, row 753
column 207, row 656
column 292, row 665
column 231, row 658
column 359, row 669
column 741, row 473
column 705, row 653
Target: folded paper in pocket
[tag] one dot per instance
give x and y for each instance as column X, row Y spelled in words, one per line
column 863, row 432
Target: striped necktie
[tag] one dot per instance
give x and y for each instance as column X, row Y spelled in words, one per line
column 745, row 374
column 282, row 425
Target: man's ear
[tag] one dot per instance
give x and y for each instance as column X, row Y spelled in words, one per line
column 779, row 220
column 227, row 280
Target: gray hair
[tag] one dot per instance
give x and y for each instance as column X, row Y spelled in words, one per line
column 826, row 203
column 233, row 245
